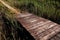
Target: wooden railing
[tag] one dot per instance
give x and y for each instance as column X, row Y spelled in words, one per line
column 9, row 7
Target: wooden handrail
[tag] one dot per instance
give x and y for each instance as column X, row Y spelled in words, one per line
column 9, row 7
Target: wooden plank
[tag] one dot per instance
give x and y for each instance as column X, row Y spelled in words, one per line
column 40, row 28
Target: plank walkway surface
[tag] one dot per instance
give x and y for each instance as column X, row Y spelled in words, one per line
column 40, row 28
column 56, row 37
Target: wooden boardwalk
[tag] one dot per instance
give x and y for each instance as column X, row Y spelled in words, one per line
column 40, row 28
column 56, row 37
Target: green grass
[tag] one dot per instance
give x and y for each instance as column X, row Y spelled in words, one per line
column 49, row 9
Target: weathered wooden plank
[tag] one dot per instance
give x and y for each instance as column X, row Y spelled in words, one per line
column 40, row 28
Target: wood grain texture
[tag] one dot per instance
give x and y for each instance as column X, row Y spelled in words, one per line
column 40, row 28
